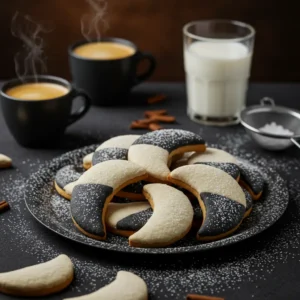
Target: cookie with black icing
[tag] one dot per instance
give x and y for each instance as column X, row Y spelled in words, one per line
column 95, row 189
column 64, row 176
column 249, row 202
column 219, row 159
column 221, row 199
column 126, row 218
column 171, row 219
column 121, row 141
column 154, row 150
column 252, row 180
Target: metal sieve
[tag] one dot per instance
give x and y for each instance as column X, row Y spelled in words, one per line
column 255, row 117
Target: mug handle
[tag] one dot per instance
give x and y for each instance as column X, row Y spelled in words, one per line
column 152, row 65
column 83, row 109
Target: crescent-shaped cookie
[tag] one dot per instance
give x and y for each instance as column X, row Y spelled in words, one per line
column 121, row 141
column 222, row 200
column 5, row 161
column 252, row 180
column 93, row 191
column 217, row 158
column 154, row 150
column 38, row 280
column 249, row 202
column 65, row 176
column 127, row 218
column 171, row 220
column 126, row 286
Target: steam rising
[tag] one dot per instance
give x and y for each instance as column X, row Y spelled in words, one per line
column 94, row 23
column 31, row 60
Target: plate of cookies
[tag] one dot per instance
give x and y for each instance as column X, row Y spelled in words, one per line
column 162, row 192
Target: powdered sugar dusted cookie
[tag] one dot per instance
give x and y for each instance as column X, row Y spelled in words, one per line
column 126, row 286
column 217, row 158
column 127, row 218
column 249, row 202
column 93, row 191
column 121, row 141
column 181, row 161
column 154, row 150
column 252, row 180
column 171, row 220
column 38, row 280
column 66, row 175
column 5, row 161
column 222, row 200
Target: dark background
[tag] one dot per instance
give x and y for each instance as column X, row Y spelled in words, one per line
column 155, row 25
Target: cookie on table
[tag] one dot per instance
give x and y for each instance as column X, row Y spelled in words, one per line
column 181, row 161
column 252, row 180
column 65, row 176
column 38, row 280
column 154, row 150
column 221, row 199
column 171, row 219
column 219, row 159
column 121, row 141
column 126, row 286
column 93, row 191
column 5, row 161
column 127, row 218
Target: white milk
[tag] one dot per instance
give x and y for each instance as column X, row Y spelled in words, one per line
column 216, row 78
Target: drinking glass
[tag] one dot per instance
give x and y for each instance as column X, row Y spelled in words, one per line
column 217, row 62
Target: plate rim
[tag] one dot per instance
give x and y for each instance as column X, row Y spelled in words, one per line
column 117, row 248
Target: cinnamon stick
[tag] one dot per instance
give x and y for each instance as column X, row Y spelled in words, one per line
column 163, row 119
column 138, row 125
column 151, row 113
column 202, row 297
column 156, row 99
column 154, row 126
column 4, row 206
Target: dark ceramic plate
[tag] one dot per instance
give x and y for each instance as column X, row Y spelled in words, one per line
column 53, row 211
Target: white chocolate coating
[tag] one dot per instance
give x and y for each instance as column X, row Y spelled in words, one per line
column 206, row 179
column 171, row 220
column 118, row 211
column 212, row 155
column 152, row 158
column 5, row 161
column 126, row 286
column 88, row 158
column 38, row 280
column 112, row 173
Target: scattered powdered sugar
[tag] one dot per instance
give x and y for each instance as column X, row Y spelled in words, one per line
column 166, row 278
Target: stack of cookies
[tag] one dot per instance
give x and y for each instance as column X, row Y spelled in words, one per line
column 156, row 187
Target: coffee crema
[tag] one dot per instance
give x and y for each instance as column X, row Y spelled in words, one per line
column 104, row 50
column 37, row 91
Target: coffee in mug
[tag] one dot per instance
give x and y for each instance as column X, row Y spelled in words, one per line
column 37, row 110
column 104, row 50
column 107, row 69
column 37, row 91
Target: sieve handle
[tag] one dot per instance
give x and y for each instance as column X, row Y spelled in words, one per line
column 267, row 101
column 295, row 142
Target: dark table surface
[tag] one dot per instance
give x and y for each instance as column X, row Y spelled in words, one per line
column 264, row 267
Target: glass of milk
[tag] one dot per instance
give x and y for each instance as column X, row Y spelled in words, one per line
column 217, row 61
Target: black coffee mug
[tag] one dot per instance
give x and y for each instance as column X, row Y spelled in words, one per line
column 40, row 123
column 109, row 81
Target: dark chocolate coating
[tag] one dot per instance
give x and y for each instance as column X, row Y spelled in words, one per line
column 67, row 175
column 252, row 177
column 249, row 201
column 135, row 188
column 170, row 139
column 135, row 222
column 230, row 168
column 222, row 214
column 106, row 154
column 87, row 205
column 197, row 211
